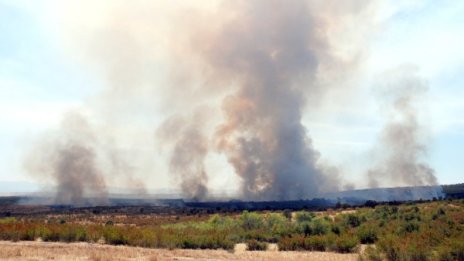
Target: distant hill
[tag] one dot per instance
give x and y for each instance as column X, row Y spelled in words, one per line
column 390, row 194
column 23, row 193
column 454, row 191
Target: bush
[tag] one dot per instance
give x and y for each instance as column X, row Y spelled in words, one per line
column 251, row 221
column 315, row 243
column 312, row 243
column 277, row 226
column 304, row 216
column 457, row 250
column 390, row 245
column 255, row 245
column 409, row 227
column 114, row 236
column 305, row 228
column 415, row 252
column 320, row 227
column 367, row 234
column 221, row 222
column 293, row 243
column 345, row 244
column 371, row 254
column 287, row 214
column 336, row 229
column 353, row 221
column 444, row 254
column 276, row 220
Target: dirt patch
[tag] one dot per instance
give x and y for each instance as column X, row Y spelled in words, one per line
column 84, row 251
column 240, row 247
column 272, row 247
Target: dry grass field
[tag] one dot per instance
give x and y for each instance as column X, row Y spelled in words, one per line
column 33, row 250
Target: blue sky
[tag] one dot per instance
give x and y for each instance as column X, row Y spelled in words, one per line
column 38, row 83
column 45, row 72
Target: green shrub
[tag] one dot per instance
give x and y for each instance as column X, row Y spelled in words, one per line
column 319, row 227
column 345, row 244
column 81, row 234
column 287, row 214
column 367, row 234
column 276, row 221
column 371, row 254
column 255, row 245
column 293, row 243
column 409, row 227
column 305, row 228
column 43, row 232
column 415, row 252
column 443, row 254
column 441, row 212
column 114, row 236
column 251, row 221
column 67, row 234
column 304, row 216
column 335, row 229
column 390, row 245
column 315, row 243
column 353, row 220
column 457, row 250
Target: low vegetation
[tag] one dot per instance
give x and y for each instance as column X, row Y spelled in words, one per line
column 408, row 232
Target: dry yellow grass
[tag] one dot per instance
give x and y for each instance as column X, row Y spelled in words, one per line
column 85, row 251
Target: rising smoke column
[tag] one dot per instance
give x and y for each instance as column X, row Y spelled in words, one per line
column 188, row 149
column 69, row 158
column 259, row 60
column 401, row 142
column 270, row 52
column 77, row 176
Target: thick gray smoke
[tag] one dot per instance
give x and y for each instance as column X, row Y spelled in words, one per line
column 261, row 64
column 77, row 176
column 271, row 52
column 70, row 158
column 188, row 149
column 402, row 140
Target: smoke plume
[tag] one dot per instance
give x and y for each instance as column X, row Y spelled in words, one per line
column 274, row 54
column 70, row 158
column 188, row 150
column 402, row 137
column 259, row 66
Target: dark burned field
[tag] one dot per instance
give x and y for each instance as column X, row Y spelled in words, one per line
column 423, row 230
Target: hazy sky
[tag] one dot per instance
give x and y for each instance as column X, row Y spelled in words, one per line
column 49, row 64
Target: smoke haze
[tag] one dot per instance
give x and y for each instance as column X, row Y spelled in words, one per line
column 402, row 141
column 70, row 159
column 232, row 79
column 188, row 149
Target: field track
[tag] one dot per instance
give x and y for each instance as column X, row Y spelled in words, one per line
column 30, row 250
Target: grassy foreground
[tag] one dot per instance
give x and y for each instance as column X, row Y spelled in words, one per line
column 425, row 231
